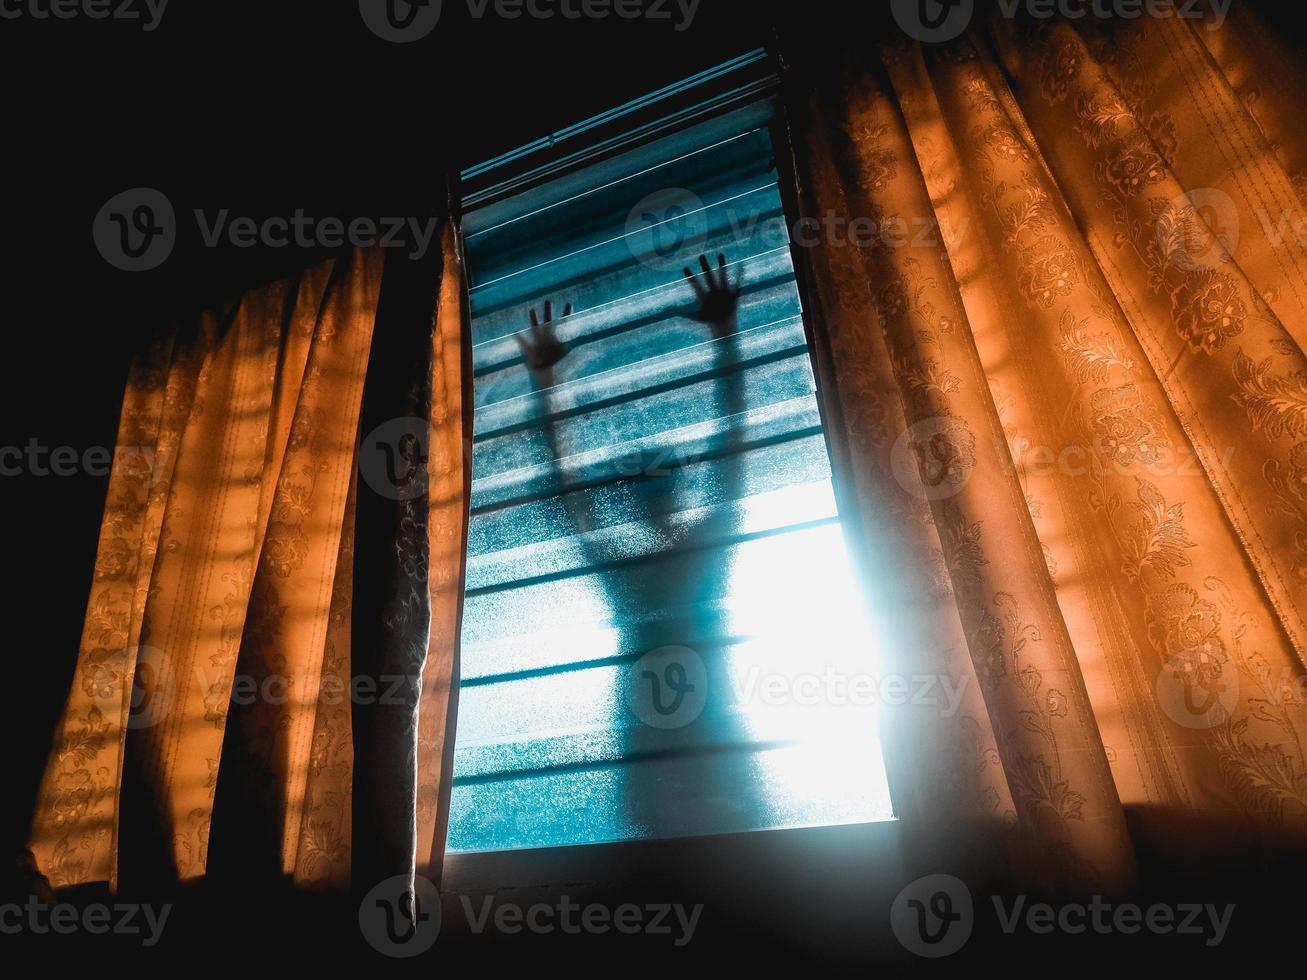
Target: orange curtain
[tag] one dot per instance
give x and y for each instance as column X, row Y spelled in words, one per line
column 1068, row 403
column 218, row 649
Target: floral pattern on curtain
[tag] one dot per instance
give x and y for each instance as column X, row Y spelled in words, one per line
column 217, row 643
column 1072, row 413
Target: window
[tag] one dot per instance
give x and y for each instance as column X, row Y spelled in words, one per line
column 661, row 622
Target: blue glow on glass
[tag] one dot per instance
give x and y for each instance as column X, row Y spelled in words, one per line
column 663, row 635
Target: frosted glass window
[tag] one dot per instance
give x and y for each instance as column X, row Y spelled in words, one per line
column 659, row 603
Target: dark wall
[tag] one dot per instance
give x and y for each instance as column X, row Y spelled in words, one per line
column 260, row 108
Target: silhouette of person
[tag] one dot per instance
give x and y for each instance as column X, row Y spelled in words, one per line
column 681, row 740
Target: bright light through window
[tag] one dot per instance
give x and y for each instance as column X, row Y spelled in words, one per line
column 663, row 635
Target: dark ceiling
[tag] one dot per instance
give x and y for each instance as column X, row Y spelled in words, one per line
column 264, row 107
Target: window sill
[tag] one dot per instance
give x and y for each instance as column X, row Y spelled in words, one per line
column 787, row 889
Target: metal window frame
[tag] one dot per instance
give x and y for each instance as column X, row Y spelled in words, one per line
column 748, row 79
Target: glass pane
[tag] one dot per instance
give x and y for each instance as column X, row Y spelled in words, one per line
column 662, row 630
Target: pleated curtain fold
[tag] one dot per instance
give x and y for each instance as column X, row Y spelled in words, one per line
column 236, row 708
column 1064, row 378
